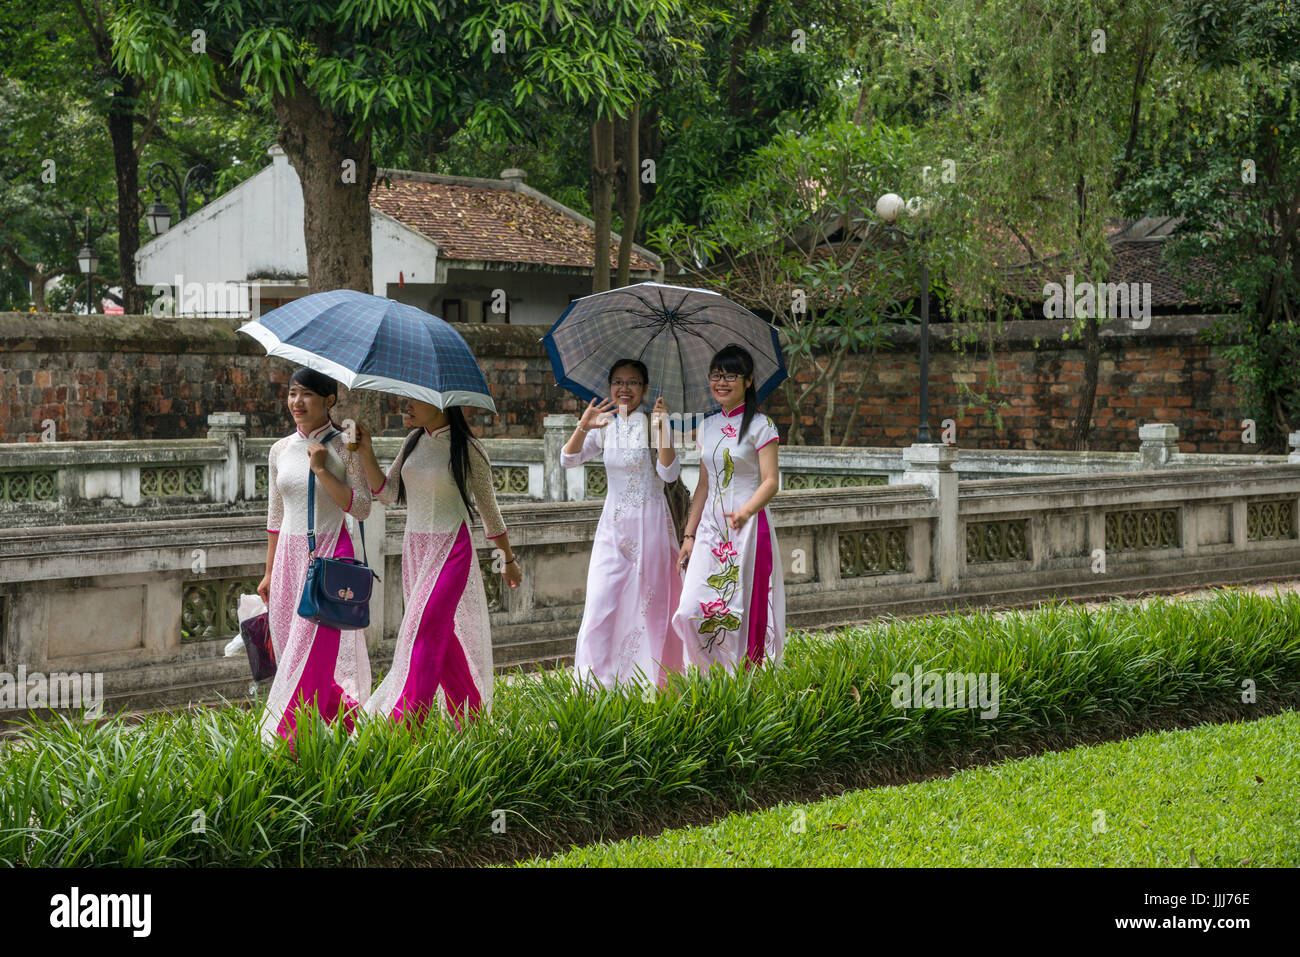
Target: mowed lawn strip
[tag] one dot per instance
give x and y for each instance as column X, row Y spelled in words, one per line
column 1228, row 794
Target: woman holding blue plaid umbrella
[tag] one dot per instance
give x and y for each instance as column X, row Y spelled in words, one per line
column 443, row 657
column 444, row 651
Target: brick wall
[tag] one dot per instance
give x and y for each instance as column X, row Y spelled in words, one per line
column 1166, row 373
column 114, row 377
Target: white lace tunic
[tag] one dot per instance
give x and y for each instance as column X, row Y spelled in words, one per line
column 435, row 516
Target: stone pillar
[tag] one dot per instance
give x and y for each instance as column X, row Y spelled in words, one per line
column 1294, row 441
column 1159, row 444
column 556, row 430
column 931, row 465
column 228, row 479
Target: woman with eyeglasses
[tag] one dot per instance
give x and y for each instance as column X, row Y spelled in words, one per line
column 732, row 611
column 633, row 584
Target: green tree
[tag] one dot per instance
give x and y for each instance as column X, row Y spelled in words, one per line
column 57, row 167
column 1033, row 109
column 755, row 66
column 793, row 238
column 1224, row 155
column 336, row 73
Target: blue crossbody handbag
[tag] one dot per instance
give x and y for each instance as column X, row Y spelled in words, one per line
column 336, row 593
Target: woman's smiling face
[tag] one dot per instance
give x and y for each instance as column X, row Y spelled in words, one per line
column 309, row 410
column 423, row 414
column 728, row 393
column 626, row 387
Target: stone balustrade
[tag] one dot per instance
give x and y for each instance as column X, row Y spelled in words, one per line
column 42, row 482
column 127, row 558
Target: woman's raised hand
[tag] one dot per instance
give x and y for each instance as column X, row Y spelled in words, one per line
column 596, row 414
column 364, row 444
column 317, row 456
column 658, row 422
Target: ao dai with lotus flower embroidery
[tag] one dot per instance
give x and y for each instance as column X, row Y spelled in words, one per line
column 733, row 599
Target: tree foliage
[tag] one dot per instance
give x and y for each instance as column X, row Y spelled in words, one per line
column 794, row 237
column 1225, row 157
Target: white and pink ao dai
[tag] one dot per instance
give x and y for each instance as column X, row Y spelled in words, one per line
column 732, row 611
column 316, row 667
column 443, row 658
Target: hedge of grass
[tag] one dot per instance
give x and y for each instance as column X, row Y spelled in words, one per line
column 555, row 765
column 1224, row 795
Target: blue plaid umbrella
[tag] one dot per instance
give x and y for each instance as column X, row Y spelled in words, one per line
column 674, row 330
column 369, row 342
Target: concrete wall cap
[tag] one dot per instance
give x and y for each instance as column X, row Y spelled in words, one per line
column 227, row 420
column 930, row 454
column 1158, row 432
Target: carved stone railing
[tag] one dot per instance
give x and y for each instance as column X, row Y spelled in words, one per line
column 148, row 598
column 41, row 481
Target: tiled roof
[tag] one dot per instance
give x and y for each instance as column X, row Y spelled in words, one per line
column 1135, row 261
column 479, row 223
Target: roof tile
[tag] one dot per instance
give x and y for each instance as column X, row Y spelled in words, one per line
column 477, row 223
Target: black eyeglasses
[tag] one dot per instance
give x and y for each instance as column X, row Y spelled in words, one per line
column 723, row 377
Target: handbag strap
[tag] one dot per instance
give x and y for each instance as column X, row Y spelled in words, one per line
column 311, row 512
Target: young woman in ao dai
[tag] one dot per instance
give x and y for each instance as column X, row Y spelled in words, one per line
column 633, row 583
column 443, row 657
column 315, row 665
column 732, row 611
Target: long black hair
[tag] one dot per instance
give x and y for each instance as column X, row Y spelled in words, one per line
column 317, row 382
column 461, row 438
column 735, row 359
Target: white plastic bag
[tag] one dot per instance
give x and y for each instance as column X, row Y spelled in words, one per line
column 250, row 606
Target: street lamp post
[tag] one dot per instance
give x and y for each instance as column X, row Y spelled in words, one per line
column 161, row 175
column 887, row 208
column 88, row 262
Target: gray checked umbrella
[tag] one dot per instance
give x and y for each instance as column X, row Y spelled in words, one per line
column 674, row 330
column 369, row 342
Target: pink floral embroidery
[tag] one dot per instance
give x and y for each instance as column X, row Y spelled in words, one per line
column 723, row 551
column 715, row 609
column 729, row 431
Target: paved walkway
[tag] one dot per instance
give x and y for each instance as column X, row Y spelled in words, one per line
column 1264, row 589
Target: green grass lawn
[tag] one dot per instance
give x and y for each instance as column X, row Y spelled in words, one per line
column 1228, row 793
column 552, row 766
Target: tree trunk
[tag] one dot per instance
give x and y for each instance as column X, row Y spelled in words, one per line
column 1088, row 395
column 631, row 194
column 831, row 373
column 121, row 128
column 602, row 182
column 1091, row 342
column 337, row 171
column 791, row 390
